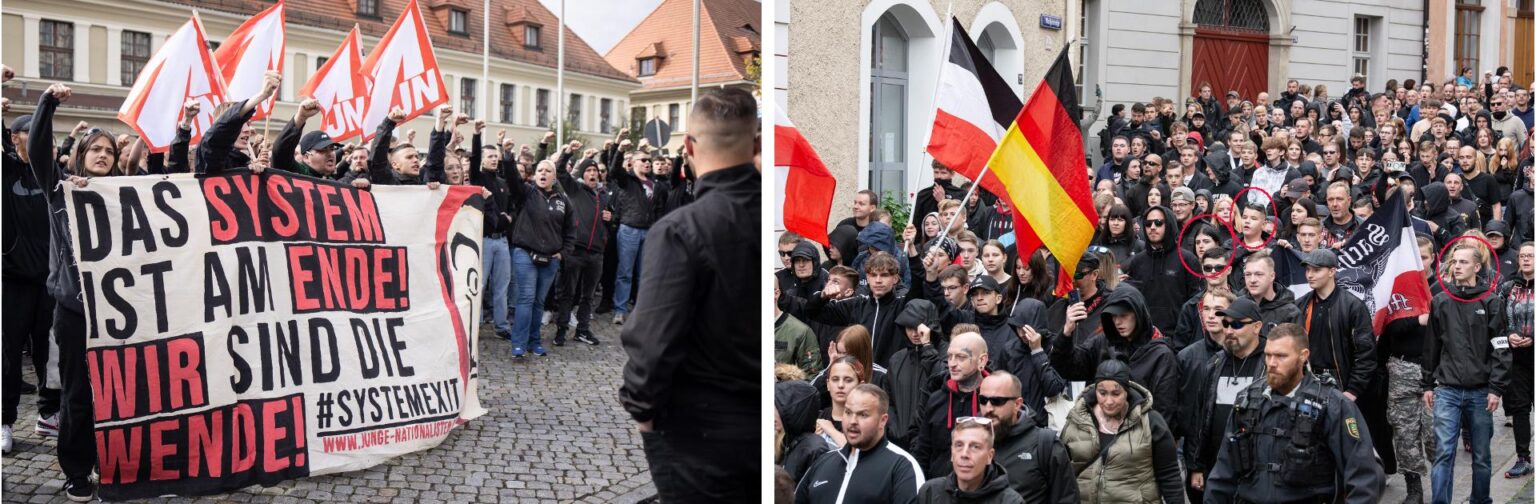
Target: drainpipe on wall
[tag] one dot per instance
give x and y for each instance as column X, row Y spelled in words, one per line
column 1424, row 47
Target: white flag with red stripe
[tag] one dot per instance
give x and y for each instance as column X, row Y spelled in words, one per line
column 403, row 72
column 803, row 180
column 975, row 108
column 253, row 49
column 183, row 68
column 1380, row 264
column 342, row 91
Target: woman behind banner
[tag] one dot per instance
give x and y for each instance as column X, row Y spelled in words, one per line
column 96, row 156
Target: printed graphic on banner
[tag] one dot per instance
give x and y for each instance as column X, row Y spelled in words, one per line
column 248, row 329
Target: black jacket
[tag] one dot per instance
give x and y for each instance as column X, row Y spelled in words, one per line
column 876, row 314
column 217, row 153
column 694, row 344
column 993, row 490
column 926, row 203
column 798, row 405
column 915, row 372
column 25, row 219
column 931, row 447
column 1039, row 468
column 1282, row 309
column 1468, row 341
column 381, row 173
column 1152, row 360
column 498, row 214
column 634, row 204
column 1161, row 276
column 1437, row 209
column 884, row 473
column 63, row 273
column 1347, row 335
column 1199, row 452
column 586, row 210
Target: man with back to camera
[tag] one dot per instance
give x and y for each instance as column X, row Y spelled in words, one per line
column 693, row 377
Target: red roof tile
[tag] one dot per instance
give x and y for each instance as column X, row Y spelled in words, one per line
column 730, row 35
column 506, row 42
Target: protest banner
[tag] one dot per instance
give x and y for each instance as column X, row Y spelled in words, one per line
column 253, row 328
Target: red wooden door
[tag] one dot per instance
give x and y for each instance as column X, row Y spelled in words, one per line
column 1231, row 60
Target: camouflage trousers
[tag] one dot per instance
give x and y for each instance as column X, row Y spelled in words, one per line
column 1413, row 427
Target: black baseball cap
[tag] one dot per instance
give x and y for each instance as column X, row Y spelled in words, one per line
column 1241, row 309
column 1087, row 264
column 985, row 281
column 315, row 140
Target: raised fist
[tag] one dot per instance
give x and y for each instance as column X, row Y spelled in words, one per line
column 191, row 108
column 59, row 91
column 479, row 126
column 270, row 81
column 309, row 108
column 549, row 136
column 79, row 128
column 396, row 115
column 6, row 74
column 460, row 119
column 5, row 105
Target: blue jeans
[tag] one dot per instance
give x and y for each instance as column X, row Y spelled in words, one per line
column 497, row 278
column 630, row 242
column 532, row 284
column 1453, row 406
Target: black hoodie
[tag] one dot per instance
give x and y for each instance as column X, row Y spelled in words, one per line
column 993, row 490
column 1280, row 310
column 1437, row 209
column 915, row 372
column 1468, row 345
column 798, row 404
column 1152, row 360
column 25, row 215
column 1161, row 276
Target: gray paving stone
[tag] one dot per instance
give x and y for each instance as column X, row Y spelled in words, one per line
column 554, row 432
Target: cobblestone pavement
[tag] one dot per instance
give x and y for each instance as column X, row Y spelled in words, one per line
column 554, row 433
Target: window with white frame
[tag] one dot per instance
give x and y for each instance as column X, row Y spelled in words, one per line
column 467, row 87
column 458, row 22
column 508, row 99
column 573, row 113
column 605, row 115
column 1362, row 47
column 135, row 55
column 56, row 50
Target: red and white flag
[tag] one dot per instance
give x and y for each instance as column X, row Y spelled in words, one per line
column 1380, row 264
column 803, row 180
column 182, row 69
column 253, row 49
column 341, row 89
column 403, row 72
column 975, row 108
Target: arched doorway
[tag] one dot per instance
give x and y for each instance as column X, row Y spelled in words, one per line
column 1231, row 49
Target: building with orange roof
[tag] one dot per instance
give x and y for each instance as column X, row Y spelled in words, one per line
column 98, row 45
column 659, row 53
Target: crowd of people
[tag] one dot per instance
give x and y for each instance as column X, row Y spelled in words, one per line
column 928, row 361
column 564, row 232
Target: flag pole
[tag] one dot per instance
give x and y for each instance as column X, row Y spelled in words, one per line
column 560, row 100
column 693, row 94
column 938, row 77
column 485, row 62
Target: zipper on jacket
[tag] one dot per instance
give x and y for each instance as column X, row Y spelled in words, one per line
column 853, row 462
column 597, row 214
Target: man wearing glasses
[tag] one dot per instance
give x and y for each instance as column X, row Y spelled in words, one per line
column 1239, row 365
column 1160, row 272
column 1507, row 124
column 1036, row 460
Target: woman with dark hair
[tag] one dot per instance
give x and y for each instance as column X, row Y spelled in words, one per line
column 96, row 155
column 1117, row 233
column 1299, row 211
column 1035, row 278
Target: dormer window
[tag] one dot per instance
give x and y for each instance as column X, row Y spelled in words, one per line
column 458, row 22
column 531, row 36
column 647, row 67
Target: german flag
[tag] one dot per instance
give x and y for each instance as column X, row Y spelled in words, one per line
column 1040, row 161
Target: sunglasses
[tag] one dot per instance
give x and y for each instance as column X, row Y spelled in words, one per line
column 1234, row 324
column 784, row 253
column 979, row 420
column 1212, row 268
column 1155, row 222
column 1152, row 163
column 994, row 400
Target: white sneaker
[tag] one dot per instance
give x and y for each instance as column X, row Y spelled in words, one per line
column 618, row 319
column 548, row 316
column 572, row 322
column 5, row 439
column 49, row 426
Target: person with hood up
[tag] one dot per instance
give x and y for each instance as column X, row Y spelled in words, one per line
column 1120, row 446
column 1504, row 253
column 967, row 361
column 977, row 478
column 915, row 370
column 1038, row 466
column 844, row 247
column 1159, row 272
column 1129, row 336
column 804, row 277
column 797, row 404
column 1444, row 222
column 878, row 236
column 794, row 342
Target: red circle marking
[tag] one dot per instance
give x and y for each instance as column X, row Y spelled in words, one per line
column 1231, row 255
column 1440, row 259
column 1272, row 205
